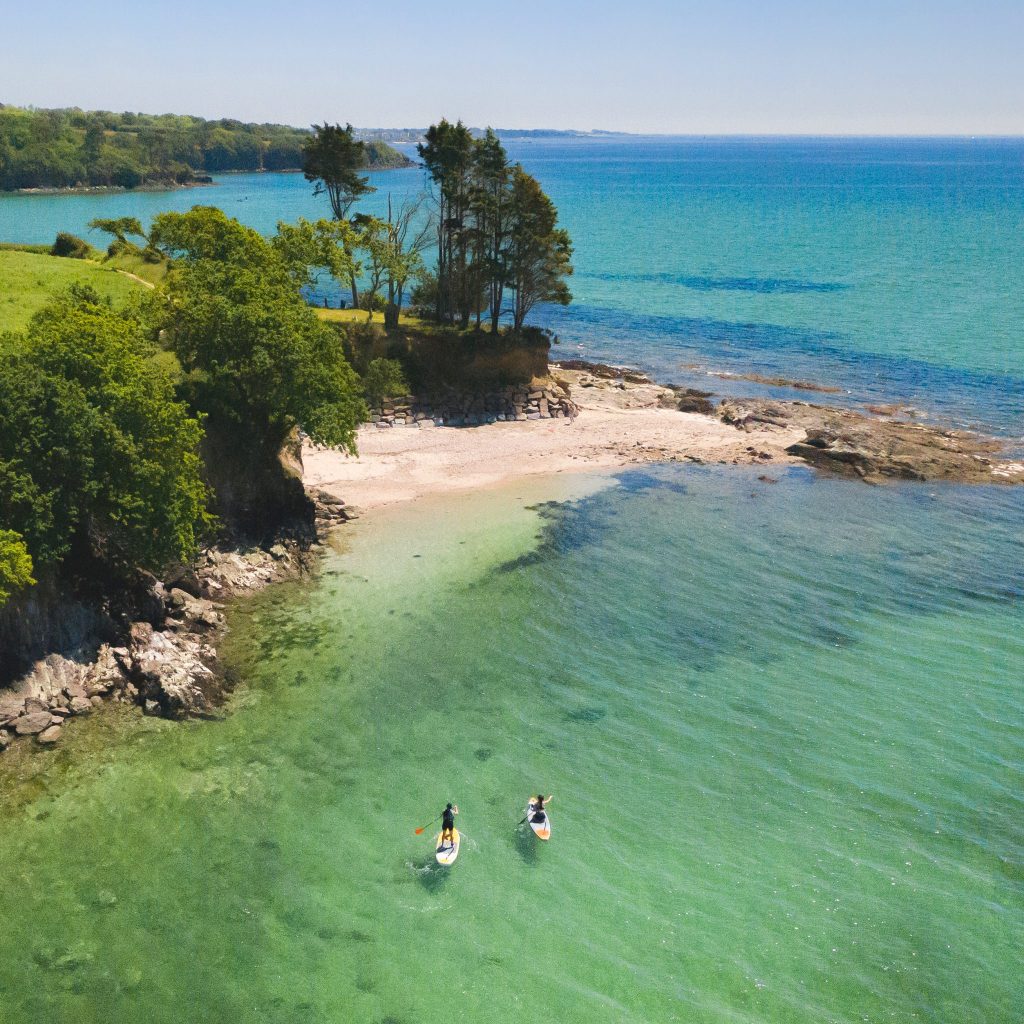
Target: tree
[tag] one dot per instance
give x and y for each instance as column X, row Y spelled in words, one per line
column 15, row 565
column 447, row 153
column 310, row 246
column 407, row 236
column 491, row 202
column 120, row 228
column 98, row 458
column 539, row 253
column 332, row 158
column 257, row 355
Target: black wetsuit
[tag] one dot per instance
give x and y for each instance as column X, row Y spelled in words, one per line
column 538, row 814
column 447, row 820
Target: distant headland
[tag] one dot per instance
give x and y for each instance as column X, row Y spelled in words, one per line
column 77, row 150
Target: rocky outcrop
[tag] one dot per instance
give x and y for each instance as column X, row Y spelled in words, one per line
column 876, row 449
column 538, row 401
column 169, row 665
column 628, row 389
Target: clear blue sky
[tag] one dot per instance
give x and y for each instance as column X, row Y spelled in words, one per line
column 749, row 66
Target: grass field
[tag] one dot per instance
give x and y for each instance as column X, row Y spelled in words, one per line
column 358, row 316
column 28, row 279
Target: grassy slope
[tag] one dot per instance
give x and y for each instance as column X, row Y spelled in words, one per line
column 27, row 280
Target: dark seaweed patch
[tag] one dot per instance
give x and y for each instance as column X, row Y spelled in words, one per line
column 586, row 714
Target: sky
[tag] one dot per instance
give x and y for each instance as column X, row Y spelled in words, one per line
column 843, row 67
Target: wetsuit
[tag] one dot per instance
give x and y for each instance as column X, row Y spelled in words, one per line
column 537, row 813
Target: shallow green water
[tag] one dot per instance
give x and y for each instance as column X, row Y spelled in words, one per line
column 782, row 724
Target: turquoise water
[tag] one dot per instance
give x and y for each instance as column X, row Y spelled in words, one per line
column 782, row 725
column 893, row 269
column 782, row 722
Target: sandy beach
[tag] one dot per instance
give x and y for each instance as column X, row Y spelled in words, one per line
column 619, row 424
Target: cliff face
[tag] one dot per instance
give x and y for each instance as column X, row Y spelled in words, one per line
column 257, row 493
column 258, row 497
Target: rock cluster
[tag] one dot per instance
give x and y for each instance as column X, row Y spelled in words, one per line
column 875, row 449
column 167, row 665
column 629, row 389
column 536, row 401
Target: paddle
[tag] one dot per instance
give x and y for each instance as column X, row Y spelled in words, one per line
column 420, row 830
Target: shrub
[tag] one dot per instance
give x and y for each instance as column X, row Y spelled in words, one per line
column 423, row 300
column 15, row 565
column 384, row 378
column 70, row 246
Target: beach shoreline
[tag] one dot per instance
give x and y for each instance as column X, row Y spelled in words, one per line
column 620, row 423
column 625, row 419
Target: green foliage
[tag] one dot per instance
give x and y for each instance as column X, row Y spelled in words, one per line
column 71, row 246
column 333, row 158
column 62, row 148
column 447, row 153
column 97, row 457
column 15, row 565
column 384, row 378
column 539, row 253
column 310, row 246
column 119, row 227
column 255, row 353
column 496, row 231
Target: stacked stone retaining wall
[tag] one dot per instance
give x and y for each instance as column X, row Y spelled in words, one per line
column 513, row 403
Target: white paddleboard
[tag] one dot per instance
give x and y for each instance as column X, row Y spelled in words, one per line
column 541, row 829
column 447, row 853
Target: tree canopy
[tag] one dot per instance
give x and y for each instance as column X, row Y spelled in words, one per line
column 255, row 352
column 497, row 231
column 98, row 458
column 332, row 158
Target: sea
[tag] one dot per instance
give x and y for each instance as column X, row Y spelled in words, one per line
column 781, row 715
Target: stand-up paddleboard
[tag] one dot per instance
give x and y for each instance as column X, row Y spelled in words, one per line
column 447, row 853
column 541, row 829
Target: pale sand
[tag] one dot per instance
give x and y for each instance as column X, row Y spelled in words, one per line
column 617, row 427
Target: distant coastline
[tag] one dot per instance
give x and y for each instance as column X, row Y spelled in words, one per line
column 165, row 186
column 99, row 190
column 77, row 150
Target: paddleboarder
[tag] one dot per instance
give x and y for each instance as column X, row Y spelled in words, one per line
column 448, row 823
column 536, row 806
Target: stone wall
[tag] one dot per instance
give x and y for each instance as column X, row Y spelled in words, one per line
column 511, row 403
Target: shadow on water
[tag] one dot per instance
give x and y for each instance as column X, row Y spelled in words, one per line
column 431, row 875
column 525, row 845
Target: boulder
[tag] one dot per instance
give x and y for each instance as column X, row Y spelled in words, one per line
column 140, row 634
column 33, row 723
column 11, row 706
column 80, row 705
column 51, row 735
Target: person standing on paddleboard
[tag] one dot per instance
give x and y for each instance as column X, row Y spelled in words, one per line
column 448, row 823
column 537, row 808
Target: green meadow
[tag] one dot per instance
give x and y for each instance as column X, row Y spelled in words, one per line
column 29, row 279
